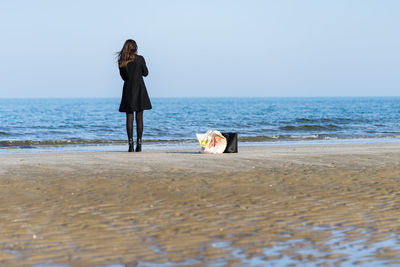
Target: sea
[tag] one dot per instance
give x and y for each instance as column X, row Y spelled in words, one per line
column 94, row 124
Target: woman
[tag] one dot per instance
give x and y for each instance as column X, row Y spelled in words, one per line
column 132, row 68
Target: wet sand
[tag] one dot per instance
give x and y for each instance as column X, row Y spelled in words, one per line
column 323, row 205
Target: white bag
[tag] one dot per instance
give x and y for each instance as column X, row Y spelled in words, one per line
column 212, row 142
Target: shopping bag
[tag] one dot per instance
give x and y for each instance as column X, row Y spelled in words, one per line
column 232, row 142
column 212, row 142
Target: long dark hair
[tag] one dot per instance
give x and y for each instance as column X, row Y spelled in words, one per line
column 127, row 53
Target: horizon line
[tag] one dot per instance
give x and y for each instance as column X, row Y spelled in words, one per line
column 154, row 97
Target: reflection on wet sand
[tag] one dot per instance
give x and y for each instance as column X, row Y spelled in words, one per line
column 319, row 208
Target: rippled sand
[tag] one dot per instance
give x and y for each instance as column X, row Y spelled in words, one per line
column 266, row 205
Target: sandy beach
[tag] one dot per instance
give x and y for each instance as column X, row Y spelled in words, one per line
column 279, row 205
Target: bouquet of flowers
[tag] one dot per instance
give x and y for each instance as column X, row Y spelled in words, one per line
column 212, row 142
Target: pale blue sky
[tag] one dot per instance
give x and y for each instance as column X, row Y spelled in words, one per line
column 202, row 48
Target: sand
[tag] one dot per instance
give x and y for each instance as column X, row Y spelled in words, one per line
column 322, row 205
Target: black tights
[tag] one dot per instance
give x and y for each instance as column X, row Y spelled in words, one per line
column 139, row 124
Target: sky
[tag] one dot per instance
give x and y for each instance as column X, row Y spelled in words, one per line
column 208, row 48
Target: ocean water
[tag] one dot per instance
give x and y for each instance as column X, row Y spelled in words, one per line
column 38, row 123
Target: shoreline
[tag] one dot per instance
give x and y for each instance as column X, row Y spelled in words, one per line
column 185, row 144
column 322, row 204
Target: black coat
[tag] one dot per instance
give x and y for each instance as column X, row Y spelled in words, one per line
column 134, row 94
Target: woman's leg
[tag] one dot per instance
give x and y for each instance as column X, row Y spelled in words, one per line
column 139, row 124
column 139, row 130
column 129, row 125
column 129, row 130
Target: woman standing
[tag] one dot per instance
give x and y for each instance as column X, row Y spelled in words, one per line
column 132, row 68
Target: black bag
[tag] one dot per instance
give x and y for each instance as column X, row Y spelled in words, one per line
column 231, row 142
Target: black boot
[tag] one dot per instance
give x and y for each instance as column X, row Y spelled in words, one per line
column 130, row 145
column 138, row 145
